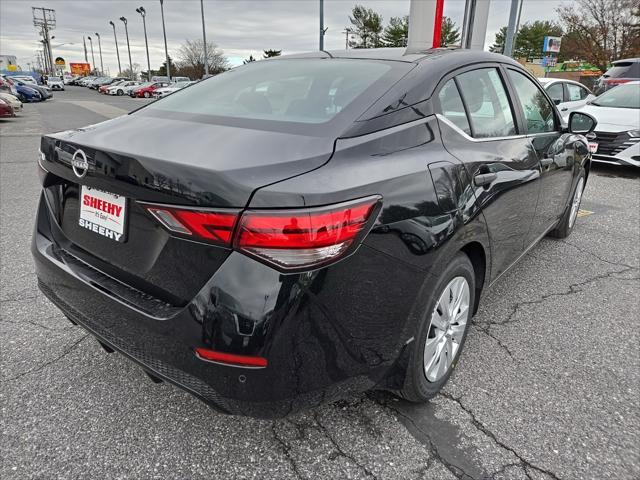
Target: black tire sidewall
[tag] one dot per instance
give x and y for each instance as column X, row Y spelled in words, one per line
column 417, row 387
column 563, row 229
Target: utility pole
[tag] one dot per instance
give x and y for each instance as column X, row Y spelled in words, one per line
column 514, row 20
column 84, row 42
column 164, row 32
column 143, row 13
column 47, row 22
column 93, row 58
column 126, row 31
column 100, row 48
column 115, row 37
column 322, row 30
column 204, row 40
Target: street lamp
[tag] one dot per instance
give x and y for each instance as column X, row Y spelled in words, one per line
column 143, row 13
column 93, row 58
column 126, row 31
column 204, row 41
column 116, row 39
column 164, row 32
column 100, row 49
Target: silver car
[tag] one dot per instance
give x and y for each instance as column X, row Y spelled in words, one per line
column 618, row 132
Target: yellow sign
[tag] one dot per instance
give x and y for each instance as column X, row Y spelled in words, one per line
column 60, row 62
column 12, row 68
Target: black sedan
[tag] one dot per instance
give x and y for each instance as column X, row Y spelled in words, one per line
column 298, row 229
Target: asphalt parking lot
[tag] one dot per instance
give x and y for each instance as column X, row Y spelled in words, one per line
column 547, row 387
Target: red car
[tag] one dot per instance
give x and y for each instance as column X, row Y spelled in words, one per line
column 6, row 110
column 147, row 90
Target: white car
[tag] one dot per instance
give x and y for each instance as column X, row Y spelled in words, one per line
column 174, row 87
column 55, row 83
column 617, row 135
column 123, row 89
column 12, row 100
column 28, row 79
column 568, row 95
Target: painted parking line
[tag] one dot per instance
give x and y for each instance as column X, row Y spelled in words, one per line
column 103, row 109
column 584, row 213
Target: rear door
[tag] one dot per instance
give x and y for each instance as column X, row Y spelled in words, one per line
column 480, row 127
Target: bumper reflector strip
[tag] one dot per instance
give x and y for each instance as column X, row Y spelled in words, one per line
column 231, row 359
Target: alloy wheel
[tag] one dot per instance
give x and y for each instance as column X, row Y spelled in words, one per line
column 575, row 203
column 446, row 330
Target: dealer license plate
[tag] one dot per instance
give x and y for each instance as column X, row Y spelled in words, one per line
column 103, row 213
column 593, row 147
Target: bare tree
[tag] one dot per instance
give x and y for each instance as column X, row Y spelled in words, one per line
column 600, row 31
column 133, row 75
column 191, row 59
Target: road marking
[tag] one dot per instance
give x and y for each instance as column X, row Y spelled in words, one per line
column 584, row 213
column 103, row 109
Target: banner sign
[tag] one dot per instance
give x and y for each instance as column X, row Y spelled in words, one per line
column 551, row 44
column 80, row 68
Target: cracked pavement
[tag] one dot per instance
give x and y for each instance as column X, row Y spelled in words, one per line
column 547, row 387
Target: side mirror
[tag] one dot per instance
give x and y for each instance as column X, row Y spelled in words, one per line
column 581, row 123
column 557, row 101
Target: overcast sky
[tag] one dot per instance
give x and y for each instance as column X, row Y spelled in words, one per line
column 239, row 27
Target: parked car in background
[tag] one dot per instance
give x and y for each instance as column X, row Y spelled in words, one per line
column 45, row 92
column 566, row 94
column 84, row 81
column 55, row 83
column 169, row 89
column 96, row 83
column 146, row 90
column 7, row 85
column 617, row 136
column 295, row 231
column 12, row 100
column 621, row 71
column 122, row 88
column 6, row 110
column 104, row 87
column 67, row 79
column 27, row 93
column 28, row 79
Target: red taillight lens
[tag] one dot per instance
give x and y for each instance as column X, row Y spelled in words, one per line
column 296, row 239
column 231, row 359
column 213, row 226
column 617, row 81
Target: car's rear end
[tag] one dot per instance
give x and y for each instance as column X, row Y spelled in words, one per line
column 145, row 237
column 621, row 72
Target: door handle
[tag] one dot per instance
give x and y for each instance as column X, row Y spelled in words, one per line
column 484, row 179
column 564, row 109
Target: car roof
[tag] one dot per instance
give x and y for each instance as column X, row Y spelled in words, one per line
column 549, row 81
column 633, row 60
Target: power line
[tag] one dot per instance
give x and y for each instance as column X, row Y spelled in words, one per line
column 45, row 18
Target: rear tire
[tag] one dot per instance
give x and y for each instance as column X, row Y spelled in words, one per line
column 120, row 93
column 568, row 220
column 147, row 94
column 444, row 324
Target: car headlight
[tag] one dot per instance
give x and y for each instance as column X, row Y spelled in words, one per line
column 634, row 133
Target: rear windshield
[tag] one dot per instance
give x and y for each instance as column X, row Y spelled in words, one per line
column 623, row 96
column 298, row 90
column 624, row 70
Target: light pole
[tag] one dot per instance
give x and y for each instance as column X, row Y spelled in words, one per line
column 204, row 40
column 100, row 49
column 164, row 32
column 322, row 25
column 116, row 39
column 143, row 13
column 93, row 58
column 126, row 31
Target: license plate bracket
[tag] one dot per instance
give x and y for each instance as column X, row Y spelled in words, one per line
column 103, row 213
column 593, row 147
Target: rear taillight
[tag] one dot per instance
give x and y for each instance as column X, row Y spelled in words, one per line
column 212, row 226
column 299, row 239
column 291, row 240
column 616, row 81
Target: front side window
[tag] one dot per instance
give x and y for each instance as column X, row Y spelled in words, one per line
column 487, row 103
column 538, row 111
column 556, row 93
column 576, row 92
column 452, row 108
column 301, row 90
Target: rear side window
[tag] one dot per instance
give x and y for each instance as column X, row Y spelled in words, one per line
column 301, row 90
column 538, row 111
column 556, row 93
column 452, row 107
column 486, row 99
column 576, row 92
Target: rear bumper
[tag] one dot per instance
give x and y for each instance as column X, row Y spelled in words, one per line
column 325, row 335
